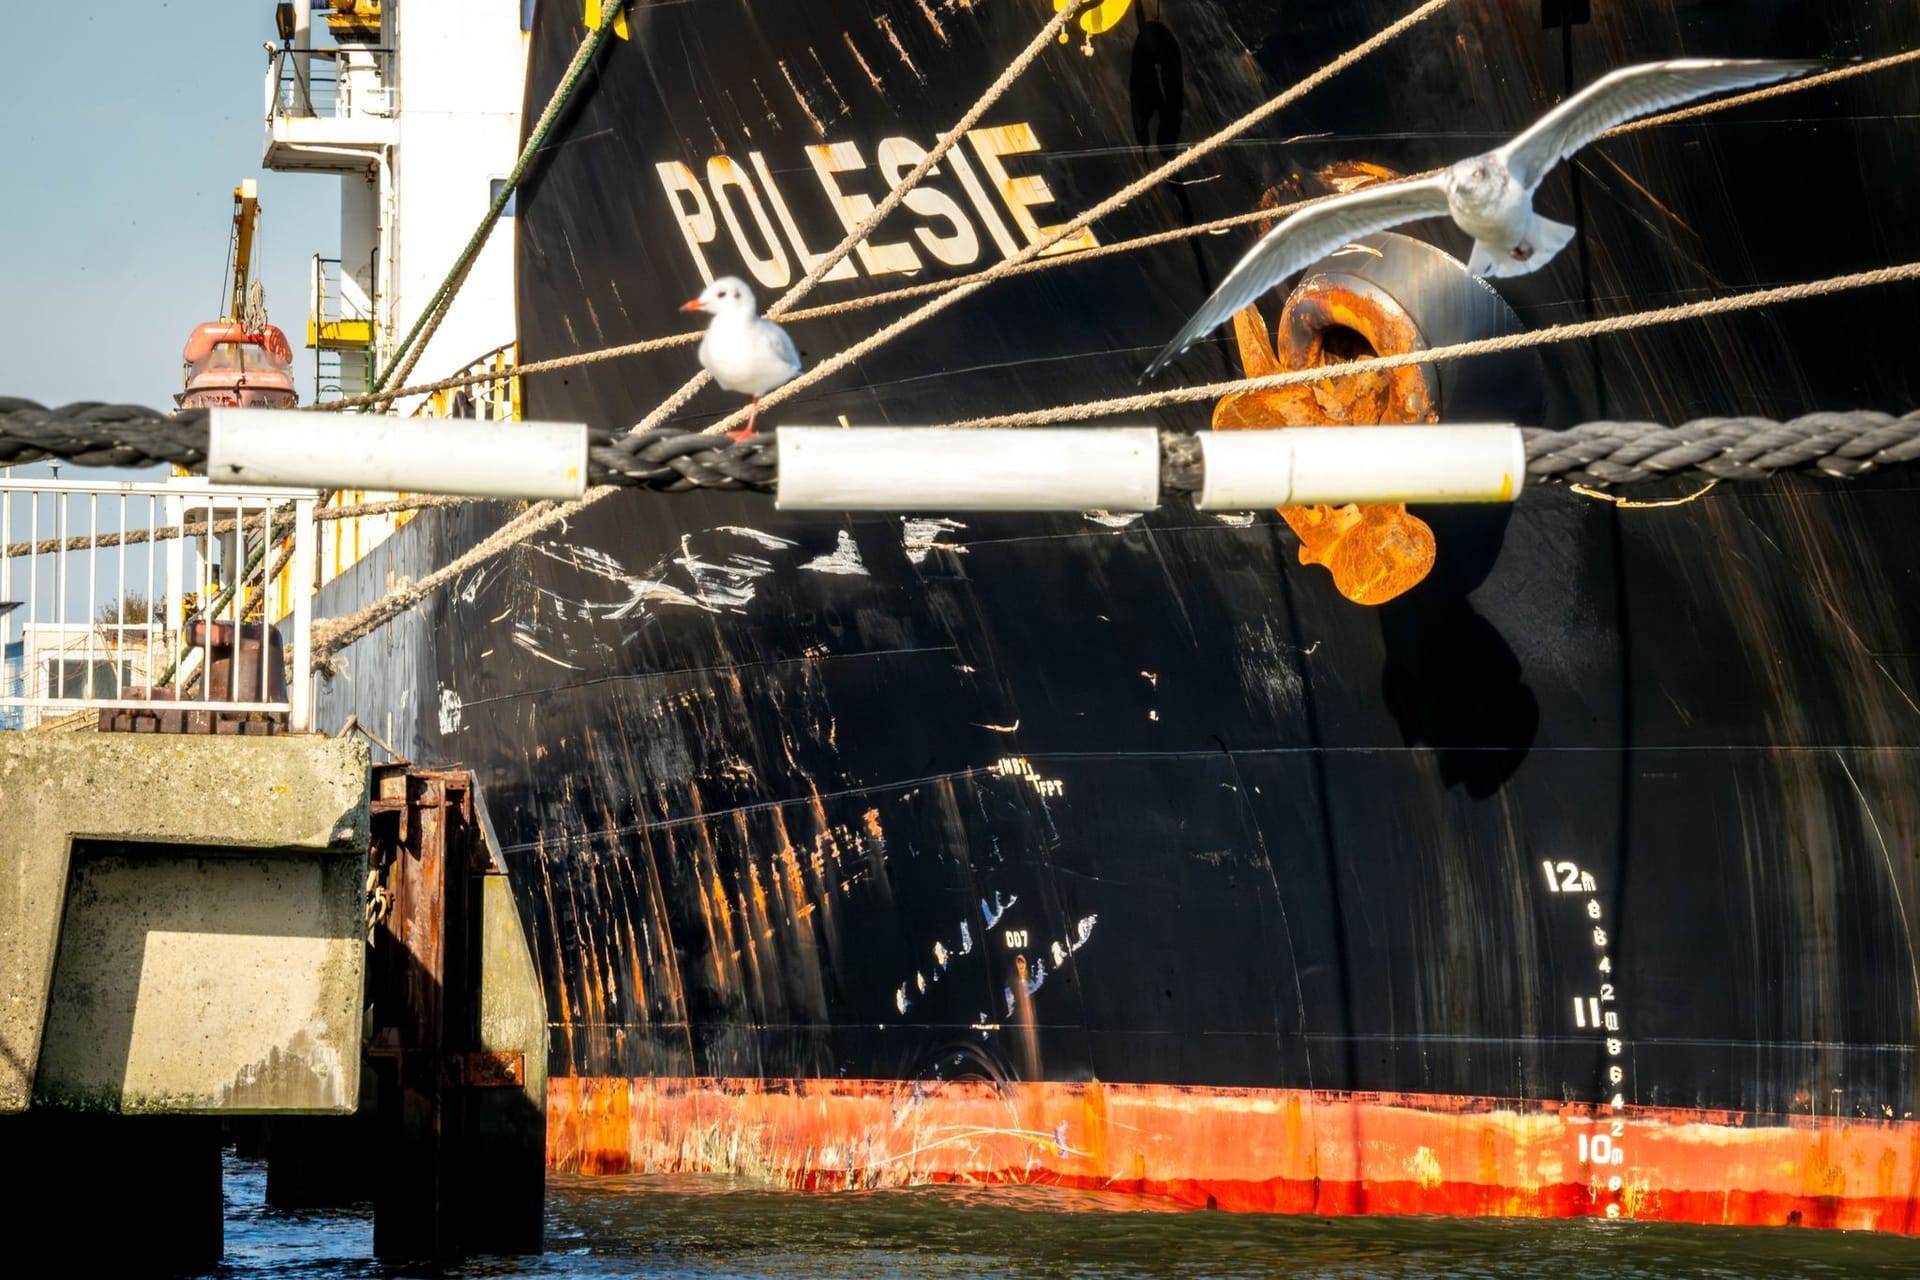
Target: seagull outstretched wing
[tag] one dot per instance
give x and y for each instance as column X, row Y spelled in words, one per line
column 1303, row 239
column 1623, row 95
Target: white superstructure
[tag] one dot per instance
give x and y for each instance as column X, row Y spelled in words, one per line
column 415, row 106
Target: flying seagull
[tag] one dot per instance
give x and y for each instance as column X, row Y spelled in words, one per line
column 1489, row 196
column 744, row 352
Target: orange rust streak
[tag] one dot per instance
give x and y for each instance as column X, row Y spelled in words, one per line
column 1652, row 199
column 1247, row 1149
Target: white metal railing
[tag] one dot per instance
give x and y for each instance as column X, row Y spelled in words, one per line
column 353, row 80
column 118, row 595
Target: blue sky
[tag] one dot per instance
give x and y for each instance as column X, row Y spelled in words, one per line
column 128, row 124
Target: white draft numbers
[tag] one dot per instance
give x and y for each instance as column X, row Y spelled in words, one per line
column 1603, row 1153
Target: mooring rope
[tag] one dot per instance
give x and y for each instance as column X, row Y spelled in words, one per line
column 846, row 306
column 1842, row 445
column 541, row 518
column 389, row 506
column 907, row 293
column 1558, row 333
column 545, row 515
column 1119, row 199
column 1615, row 453
column 675, row 460
column 130, row 537
column 1801, row 85
column 901, row 189
column 331, row 637
column 415, row 343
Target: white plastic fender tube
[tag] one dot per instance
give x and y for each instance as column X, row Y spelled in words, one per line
column 466, row 456
column 1296, row 466
column 958, row 469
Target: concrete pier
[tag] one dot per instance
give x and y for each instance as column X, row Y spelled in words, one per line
column 199, row 927
column 180, row 922
column 181, row 937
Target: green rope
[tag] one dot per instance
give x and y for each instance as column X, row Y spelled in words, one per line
column 443, row 296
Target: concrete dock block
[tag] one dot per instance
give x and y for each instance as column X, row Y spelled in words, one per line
column 181, row 922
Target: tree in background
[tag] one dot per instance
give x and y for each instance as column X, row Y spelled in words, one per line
column 137, row 610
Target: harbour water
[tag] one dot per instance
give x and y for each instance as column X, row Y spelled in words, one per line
column 689, row 1227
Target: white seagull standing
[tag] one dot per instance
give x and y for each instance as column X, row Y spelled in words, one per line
column 1489, row 196
column 744, row 352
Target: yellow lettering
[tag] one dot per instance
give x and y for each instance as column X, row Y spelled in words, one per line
column 842, row 270
column 773, row 271
column 1022, row 193
column 959, row 248
column 854, row 207
column 982, row 203
column 696, row 222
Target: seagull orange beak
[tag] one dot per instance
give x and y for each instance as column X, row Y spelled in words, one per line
column 695, row 305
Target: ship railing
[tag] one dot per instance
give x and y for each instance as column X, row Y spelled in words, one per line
column 495, row 399
column 155, row 597
column 348, row 81
column 337, row 316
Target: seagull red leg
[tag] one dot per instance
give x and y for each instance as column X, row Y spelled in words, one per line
column 747, row 430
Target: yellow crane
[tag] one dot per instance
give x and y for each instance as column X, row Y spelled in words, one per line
column 246, row 213
column 239, row 359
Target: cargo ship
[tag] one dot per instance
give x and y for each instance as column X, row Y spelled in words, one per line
column 1548, row 859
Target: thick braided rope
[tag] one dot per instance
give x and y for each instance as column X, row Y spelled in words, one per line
column 674, row 460
column 336, row 636
column 1736, row 448
column 101, row 435
column 545, row 515
column 1752, row 300
column 1200, row 150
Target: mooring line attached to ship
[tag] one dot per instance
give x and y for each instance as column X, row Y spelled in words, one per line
column 1548, row 336
column 1841, row 444
column 908, row 181
column 909, row 292
column 781, row 306
column 135, row 537
column 116, row 450
column 415, row 343
column 965, row 284
column 1119, row 199
column 545, row 515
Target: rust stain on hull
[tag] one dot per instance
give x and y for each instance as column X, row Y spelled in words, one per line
column 1251, row 1150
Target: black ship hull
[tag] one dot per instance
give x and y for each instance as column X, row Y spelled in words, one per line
column 1577, row 878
